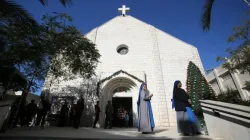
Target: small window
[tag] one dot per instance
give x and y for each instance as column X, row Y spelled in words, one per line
column 122, row 49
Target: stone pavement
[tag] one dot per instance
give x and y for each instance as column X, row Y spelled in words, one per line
column 56, row 133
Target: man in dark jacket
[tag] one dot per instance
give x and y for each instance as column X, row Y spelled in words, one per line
column 43, row 109
column 64, row 115
column 20, row 104
column 78, row 112
column 97, row 114
column 109, row 115
column 31, row 111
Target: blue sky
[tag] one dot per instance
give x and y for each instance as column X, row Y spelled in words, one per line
column 180, row 18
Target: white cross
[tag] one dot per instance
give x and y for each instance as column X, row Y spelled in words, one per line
column 123, row 10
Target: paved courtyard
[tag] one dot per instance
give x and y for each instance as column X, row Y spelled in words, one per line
column 55, row 133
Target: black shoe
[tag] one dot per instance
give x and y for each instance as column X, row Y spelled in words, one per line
column 145, row 132
column 198, row 133
column 15, row 126
column 185, row 134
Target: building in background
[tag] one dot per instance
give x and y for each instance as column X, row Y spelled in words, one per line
column 221, row 79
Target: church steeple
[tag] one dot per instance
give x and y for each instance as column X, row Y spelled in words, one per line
column 124, row 9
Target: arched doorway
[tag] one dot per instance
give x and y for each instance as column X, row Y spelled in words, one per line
column 120, row 90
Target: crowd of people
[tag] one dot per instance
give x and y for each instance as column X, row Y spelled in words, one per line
column 145, row 124
column 24, row 112
column 73, row 114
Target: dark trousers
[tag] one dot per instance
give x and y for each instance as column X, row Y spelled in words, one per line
column 77, row 119
column 120, row 122
column 96, row 119
column 62, row 121
column 108, row 122
column 41, row 115
column 29, row 118
column 20, row 116
column 126, row 123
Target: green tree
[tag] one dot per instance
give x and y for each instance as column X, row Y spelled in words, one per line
column 233, row 97
column 198, row 89
column 56, row 46
column 239, row 58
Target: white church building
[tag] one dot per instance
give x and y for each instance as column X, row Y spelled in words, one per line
column 138, row 52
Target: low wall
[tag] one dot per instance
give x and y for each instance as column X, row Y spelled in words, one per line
column 4, row 113
column 227, row 121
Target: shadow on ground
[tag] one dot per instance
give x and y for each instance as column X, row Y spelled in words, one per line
column 88, row 133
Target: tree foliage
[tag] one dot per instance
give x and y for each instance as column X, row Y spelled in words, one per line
column 63, row 2
column 206, row 15
column 247, row 84
column 55, row 46
column 12, row 12
column 233, row 97
column 239, row 58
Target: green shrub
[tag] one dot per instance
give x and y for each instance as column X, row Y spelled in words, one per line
column 232, row 96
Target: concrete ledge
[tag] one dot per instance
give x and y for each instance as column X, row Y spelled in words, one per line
column 4, row 113
column 227, row 121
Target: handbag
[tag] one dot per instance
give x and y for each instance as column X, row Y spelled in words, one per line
column 191, row 115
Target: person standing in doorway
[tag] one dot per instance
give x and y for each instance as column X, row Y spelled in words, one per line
column 180, row 102
column 145, row 114
column 126, row 119
column 109, row 117
column 121, row 116
column 97, row 113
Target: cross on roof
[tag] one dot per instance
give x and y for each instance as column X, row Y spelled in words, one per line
column 124, row 9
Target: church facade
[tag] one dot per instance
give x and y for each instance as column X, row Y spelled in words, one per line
column 133, row 52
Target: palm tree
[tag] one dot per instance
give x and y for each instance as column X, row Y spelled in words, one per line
column 206, row 16
column 63, row 2
column 11, row 12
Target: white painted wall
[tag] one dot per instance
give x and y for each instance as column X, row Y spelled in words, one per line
column 162, row 57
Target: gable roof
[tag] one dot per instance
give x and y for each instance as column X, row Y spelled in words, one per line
column 147, row 24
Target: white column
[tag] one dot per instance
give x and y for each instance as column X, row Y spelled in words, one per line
column 222, row 88
column 239, row 86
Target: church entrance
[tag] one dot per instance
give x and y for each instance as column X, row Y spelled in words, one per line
column 126, row 102
column 120, row 90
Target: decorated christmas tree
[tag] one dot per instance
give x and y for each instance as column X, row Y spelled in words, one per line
column 198, row 89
